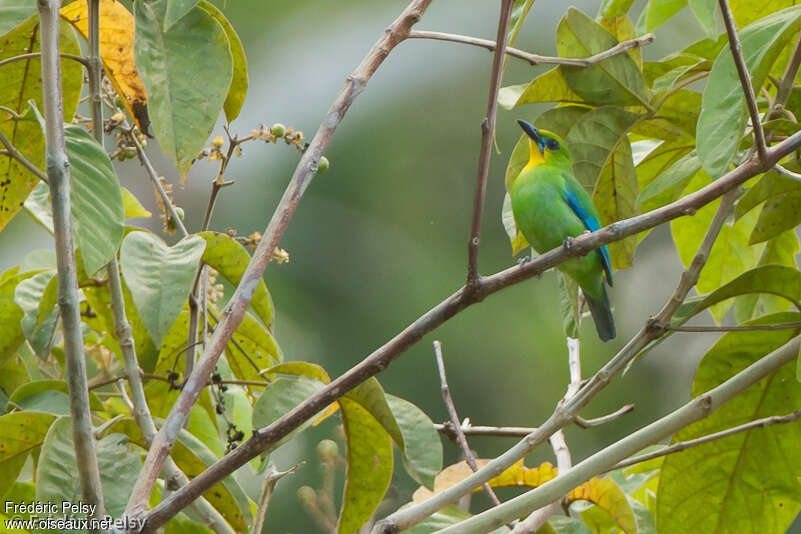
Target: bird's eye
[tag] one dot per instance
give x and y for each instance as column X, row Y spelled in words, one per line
column 552, row 144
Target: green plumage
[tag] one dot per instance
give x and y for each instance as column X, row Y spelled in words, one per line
column 550, row 206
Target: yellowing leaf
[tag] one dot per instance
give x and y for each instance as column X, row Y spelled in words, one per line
column 608, row 496
column 116, row 51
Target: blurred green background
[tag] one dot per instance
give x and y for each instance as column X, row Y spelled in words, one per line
column 382, row 236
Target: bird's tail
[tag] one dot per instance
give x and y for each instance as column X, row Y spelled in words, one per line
column 601, row 311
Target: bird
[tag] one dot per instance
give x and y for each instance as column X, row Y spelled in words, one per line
column 550, row 208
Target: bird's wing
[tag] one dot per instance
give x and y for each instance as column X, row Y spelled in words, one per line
column 579, row 201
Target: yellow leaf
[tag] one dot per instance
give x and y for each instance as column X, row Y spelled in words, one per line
column 133, row 208
column 116, row 51
column 607, row 495
column 331, row 410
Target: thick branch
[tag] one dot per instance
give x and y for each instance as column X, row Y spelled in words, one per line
column 59, row 180
column 266, row 438
column 233, row 313
column 536, row 59
column 698, row 408
column 745, row 79
column 487, row 135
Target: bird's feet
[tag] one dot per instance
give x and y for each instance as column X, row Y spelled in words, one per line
column 568, row 243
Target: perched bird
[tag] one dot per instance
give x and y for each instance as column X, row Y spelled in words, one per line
column 551, row 207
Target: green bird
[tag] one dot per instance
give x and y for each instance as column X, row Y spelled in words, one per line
column 550, row 208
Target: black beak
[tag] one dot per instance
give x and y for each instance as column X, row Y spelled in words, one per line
column 533, row 133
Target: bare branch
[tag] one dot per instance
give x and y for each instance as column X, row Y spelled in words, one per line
column 493, row 431
column 785, row 87
column 451, row 407
column 487, row 135
column 739, row 328
column 35, row 55
column 745, row 79
column 536, row 59
column 698, row 408
column 787, row 173
column 271, row 478
column 684, row 445
column 59, row 179
column 598, row 421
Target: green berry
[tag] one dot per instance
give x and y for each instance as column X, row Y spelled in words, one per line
column 327, row 449
column 322, row 166
column 278, row 129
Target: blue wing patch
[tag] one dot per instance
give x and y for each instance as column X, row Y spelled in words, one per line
column 591, row 224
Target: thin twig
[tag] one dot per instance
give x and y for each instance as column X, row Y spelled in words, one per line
column 33, row 55
column 787, row 173
column 152, row 376
column 449, row 430
column 785, row 87
column 12, row 152
column 745, row 79
column 487, row 135
column 451, row 407
column 698, row 408
column 271, row 478
column 684, row 445
column 536, row 59
column 739, row 328
column 604, row 419
column 69, row 303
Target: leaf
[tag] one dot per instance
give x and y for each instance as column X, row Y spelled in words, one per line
column 116, row 52
column 57, row 470
column 746, row 11
column 704, row 11
column 516, row 237
column 657, row 13
column 613, row 81
column 723, row 115
column 422, row 448
column 748, row 478
column 96, row 199
column 780, row 213
column 606, row 495
column 23, row 432
column 239, row 82
column 307, row 369
column 661, row 159
column 621, row 28
column 681, row 109
column 48, row 396
column 616, row 199
column 21, row 83
column 568, row 305
column 520, row 11
column 567, row 525
column 550, row 86
column 38, row 327
column 132, row 207
column 229, row 258
column 446, row 517
column 159, row 277
column 614, row 8
column 669, row 184
column 176, row 9
column 369, row 470
column 594, row 138
column 370, row 395
column 11, row 314
column 14, row 13
column 260, row 346
column 280, row 397
column 183, row 111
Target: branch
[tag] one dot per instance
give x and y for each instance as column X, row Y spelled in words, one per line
column 68, row 300
column 271, row 478
column 32, row 55
column 13, row 153
column 683, row 445
column 460, row 438
column 785, row 87
column 535, row 59
column 598, row 421
column 235, row 310
column 698, row 408
column 787, row 173
column 487, row 135
column 745, row 79
column 742, row 328
column 467, row 429
column 266, row 438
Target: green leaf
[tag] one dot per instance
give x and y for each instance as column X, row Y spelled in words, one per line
column 369, row 470
column 176, row 9
column 11, row 314
column 132, row 207
column 280, row 397
column 749, row 478
column 229, row 258
column 780, row 213
column 560, row 120
column 723, row 114
column 48, row 396
column 181, row 524
column 615, row 197
column 770, row 185
column 96, row 199
column 594, row 138
column 307, row 369
column 704, row 11
column 661, row 159
column 621, row 28
column 40, row 313
column 446, row 517
column 159, row 277
column 21, row 82
column 370, row 395
column 681, row 110
column 657, row 13
column 614, row 8
column 550, row 86
column 668, row 185
column 567, row 525
column 57, row 470
column 14, row 13
column 260, row 346
column 183, row 111
column 23, row 432
column 614, row 81
column 422, row 448
column 747, row 11
column 520, row 11
column 239, row 83
column 568, row 305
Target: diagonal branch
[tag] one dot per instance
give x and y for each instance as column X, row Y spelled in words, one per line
column 745, row 79
column 59, row 179
column 487, row 135
column 698, row 408
column 12, row 152
column 536, row 59
column 266, row 438
column 235, row 310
